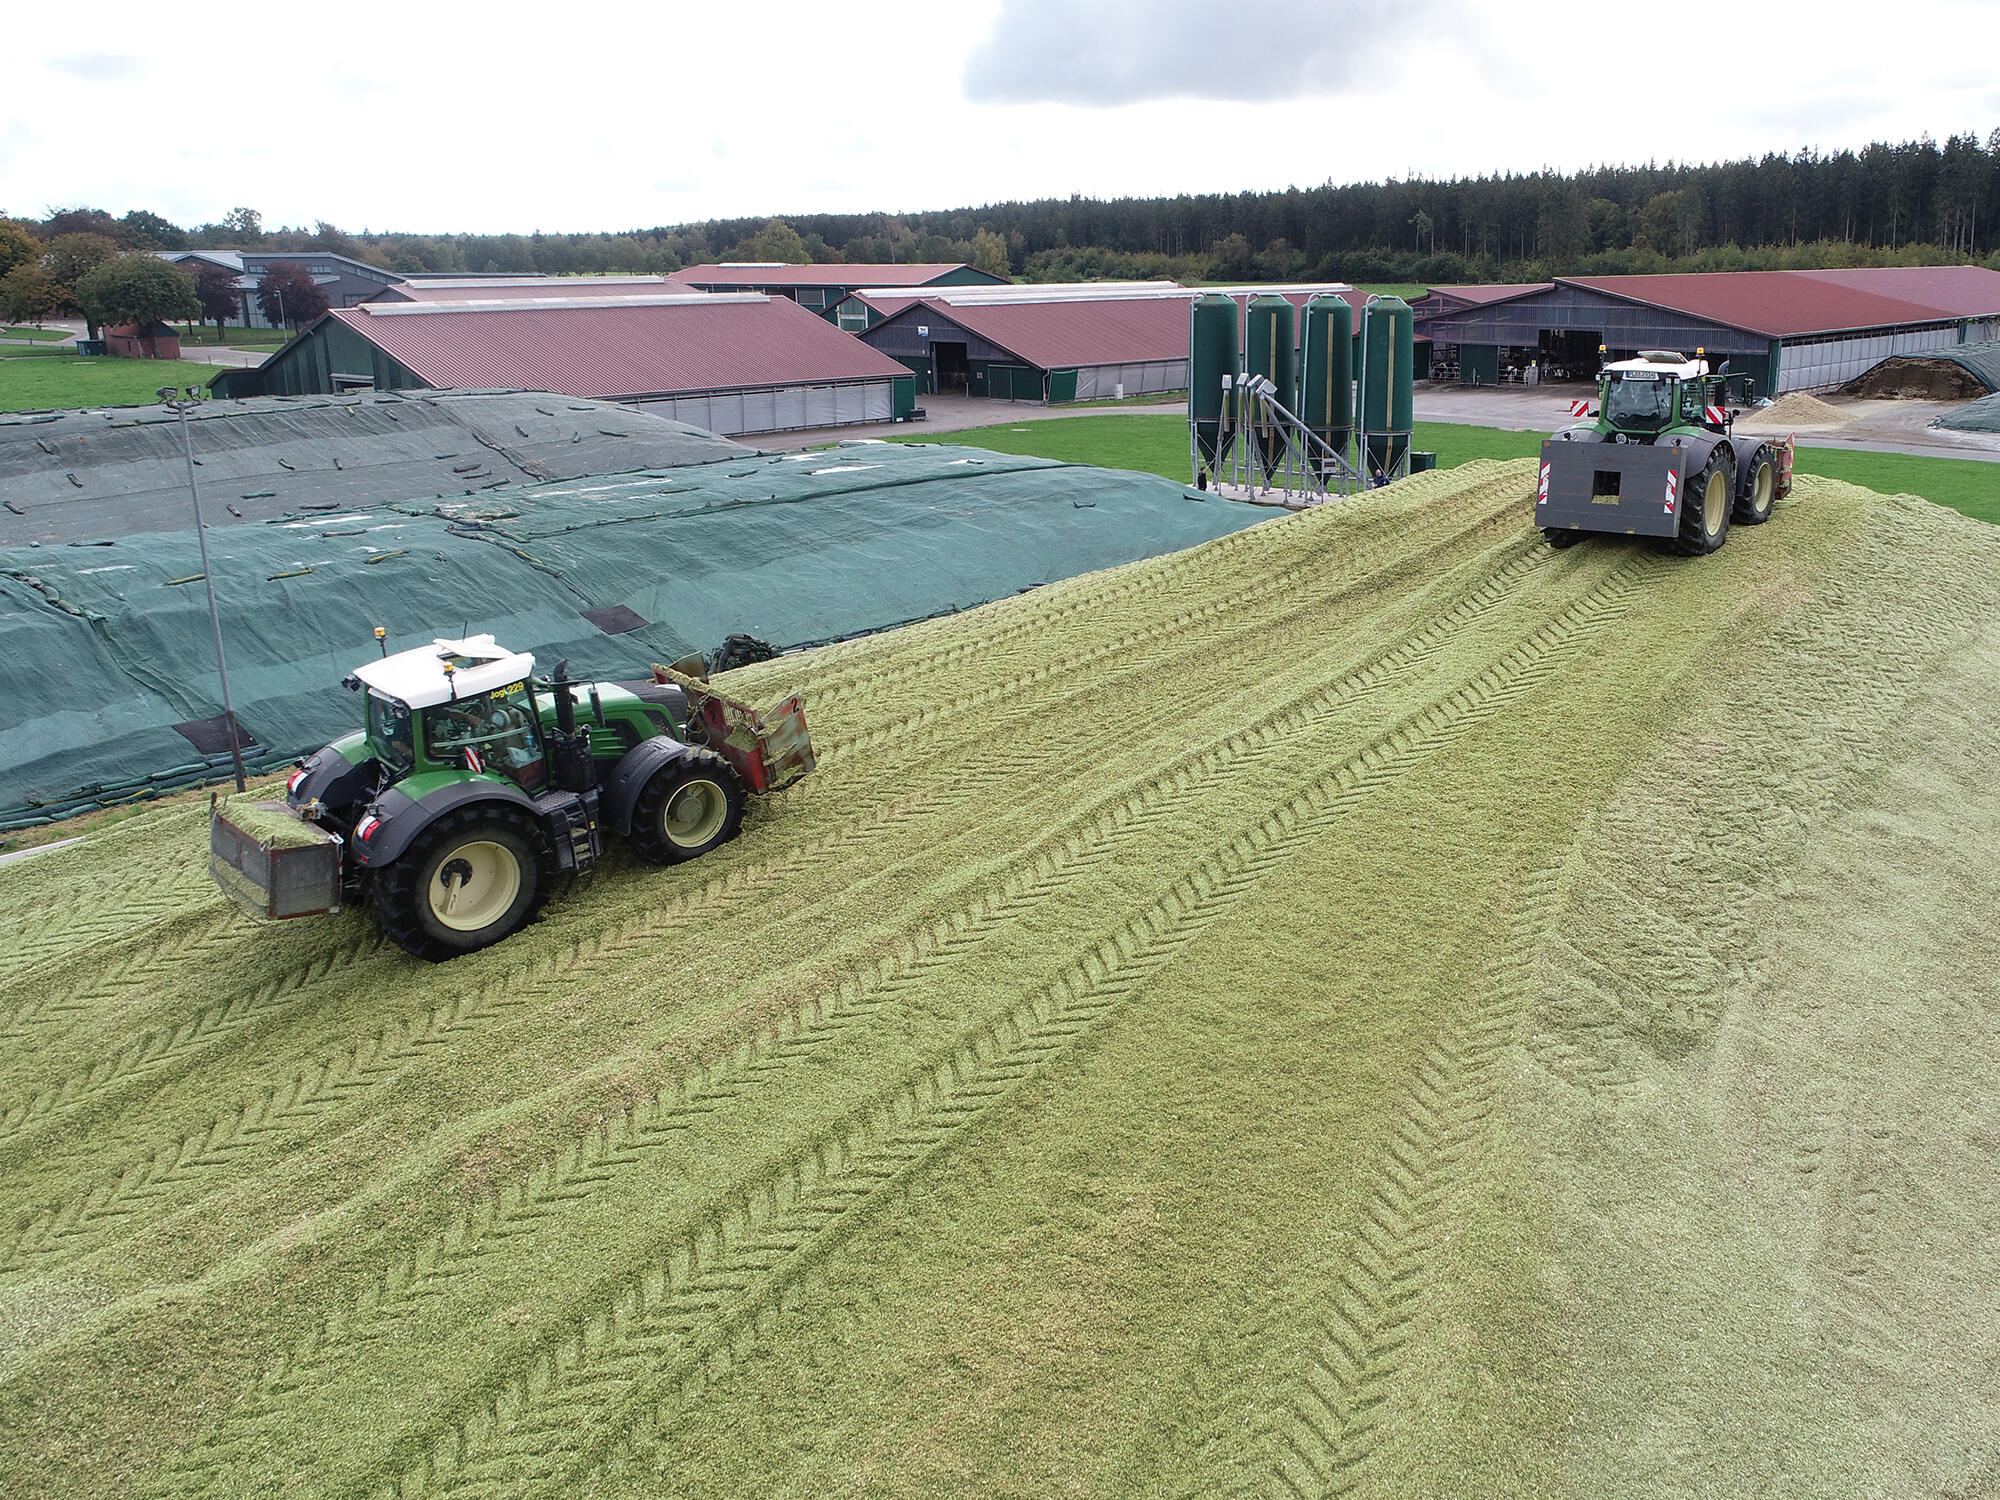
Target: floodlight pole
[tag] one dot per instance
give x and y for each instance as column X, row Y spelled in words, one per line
column 167, row 395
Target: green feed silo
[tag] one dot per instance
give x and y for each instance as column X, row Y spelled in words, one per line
column 1388, row 352
column 1270, row 349
column 1211, row 360
column 1326, row 370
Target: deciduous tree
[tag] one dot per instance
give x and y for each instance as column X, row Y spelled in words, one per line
column 215, row 289
column 288, row 296
column 69, row 258
column 28, row 293
column 140, row 289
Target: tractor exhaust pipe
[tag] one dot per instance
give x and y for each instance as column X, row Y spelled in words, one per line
column 569, row 747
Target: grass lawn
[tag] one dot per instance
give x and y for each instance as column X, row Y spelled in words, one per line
column 232, row 338
column 39, row 335
column 1409, row 291
column 43, row 384
column 37, row 351
column 1158, row 445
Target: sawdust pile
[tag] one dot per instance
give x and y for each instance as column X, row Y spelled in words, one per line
column 1796, row 410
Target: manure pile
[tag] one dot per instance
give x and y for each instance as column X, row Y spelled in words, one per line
column 1368, row 1005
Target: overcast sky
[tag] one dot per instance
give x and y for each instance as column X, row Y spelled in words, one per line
column 448, row 117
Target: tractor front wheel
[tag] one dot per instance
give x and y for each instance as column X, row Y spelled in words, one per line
column 1705, row 505
column 692, row 805
column 470, row 879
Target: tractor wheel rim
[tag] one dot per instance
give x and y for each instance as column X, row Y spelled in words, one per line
column 1760, row 494
column 1715, row 503
column 474, row 885
column 694, row 814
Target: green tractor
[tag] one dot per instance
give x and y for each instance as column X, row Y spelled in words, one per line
column 474, row 784
column 1660, row 459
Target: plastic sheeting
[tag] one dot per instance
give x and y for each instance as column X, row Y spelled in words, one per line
column 1982, row 415
column 81, row 475
column 105, row 648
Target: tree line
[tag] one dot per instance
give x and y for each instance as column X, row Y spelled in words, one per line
column 1909, row 202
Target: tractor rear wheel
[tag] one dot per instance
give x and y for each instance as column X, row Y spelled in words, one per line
column 470, row 879
column 1753, row 506
column 692, row 805
column 1560, row 537
column 1705, row 505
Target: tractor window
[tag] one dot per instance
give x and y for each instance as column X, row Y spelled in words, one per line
column 494, row 731
column 389, row 731
column 1639, row 403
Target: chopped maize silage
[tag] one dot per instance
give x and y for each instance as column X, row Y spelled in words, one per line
column 1368, row 1004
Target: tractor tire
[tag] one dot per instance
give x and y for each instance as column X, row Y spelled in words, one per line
column 1706, row 505
column 1560, row 537
column 1760, row 490
column 692, row 805
column 473, row 877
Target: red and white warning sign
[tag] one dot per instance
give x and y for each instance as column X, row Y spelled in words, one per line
column 1542, row 496
column 1716, row 415
column 1673, row 490
column 1580, row 408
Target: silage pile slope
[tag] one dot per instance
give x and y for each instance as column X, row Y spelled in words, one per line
column 1369, row 1005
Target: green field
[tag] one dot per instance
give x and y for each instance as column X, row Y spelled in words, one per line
column 1371, row 1005
column 48, row 384
column 1159, row 445
column 38, row 335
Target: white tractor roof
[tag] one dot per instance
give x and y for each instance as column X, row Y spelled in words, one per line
column 1687, row 369
column 419, row 679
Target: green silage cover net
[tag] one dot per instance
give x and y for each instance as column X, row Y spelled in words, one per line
column 105, row 647
column 1982, row 415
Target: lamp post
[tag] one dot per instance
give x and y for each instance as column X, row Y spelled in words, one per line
column 172, row 400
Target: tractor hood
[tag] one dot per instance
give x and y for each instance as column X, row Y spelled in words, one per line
column 419, row 678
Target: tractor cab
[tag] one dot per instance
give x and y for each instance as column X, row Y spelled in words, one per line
column 456, row 706
column 1642, row 398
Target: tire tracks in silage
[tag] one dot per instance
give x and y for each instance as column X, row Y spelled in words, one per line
column 1309, row 573
column 143, row 1186
column 708, row 1292
column 1331, row 1422
column 166, row 1048
column 1083, row 599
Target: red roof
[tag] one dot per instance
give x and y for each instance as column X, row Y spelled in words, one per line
column 1781, row 304
column 710, row 344
column 525, row 288
column 1954, row 291
column 1057, row 335
column 819, row 275
column 1492, row 291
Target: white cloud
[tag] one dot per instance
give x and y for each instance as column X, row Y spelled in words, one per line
column 498, row 118
column 101, row 67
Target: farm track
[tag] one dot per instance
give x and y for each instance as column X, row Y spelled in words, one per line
column 960, row 1124
column 175, row 1172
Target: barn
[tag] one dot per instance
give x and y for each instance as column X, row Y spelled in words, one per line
column 731, row 363
column 1787, row 330
column 1052, row 343
column 822, row 287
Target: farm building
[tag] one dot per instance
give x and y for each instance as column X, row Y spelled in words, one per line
column 821, row 288
column 518, row 288
column 1052, row 343
column 730, row 364
column 345, row 281
column 1788, row 330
